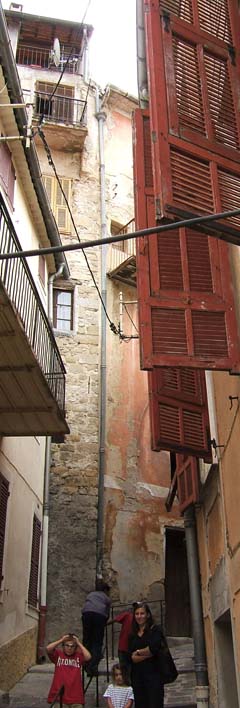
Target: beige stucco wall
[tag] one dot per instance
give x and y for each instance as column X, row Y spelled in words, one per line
column 218, row 519
column 22, row 461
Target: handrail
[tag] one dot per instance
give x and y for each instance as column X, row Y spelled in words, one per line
column 59, row 695
column 157, row 608
column 17, row 279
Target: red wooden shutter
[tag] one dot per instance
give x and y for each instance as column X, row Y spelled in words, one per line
column 187, row 481
column 186, row 306
column 194, row 88
column 33, row 579
column 178, row 411
column 4, row 494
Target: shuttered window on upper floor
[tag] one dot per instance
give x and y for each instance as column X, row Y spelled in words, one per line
column 216, row 17
column 194, row 84
column 178, row 411
column 188, row 484
column 186, row 306
column 4, row 494
column 34, row 568
column 57, row 201
column 7, row 171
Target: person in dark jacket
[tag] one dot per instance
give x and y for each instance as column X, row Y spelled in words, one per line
column 144, row 645
column 95, row 614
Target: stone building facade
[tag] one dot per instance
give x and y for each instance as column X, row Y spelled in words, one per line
column 132, row 547
column 31, row 404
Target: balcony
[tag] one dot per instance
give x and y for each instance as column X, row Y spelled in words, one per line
column 32, row 374
column 64, row 119
column 121, row 259
column 40, row 58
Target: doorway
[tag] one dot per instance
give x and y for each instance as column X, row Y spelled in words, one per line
column 227, row 682
column 177, row 599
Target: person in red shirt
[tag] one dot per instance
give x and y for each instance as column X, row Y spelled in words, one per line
column 125, row 619
column 67, row 679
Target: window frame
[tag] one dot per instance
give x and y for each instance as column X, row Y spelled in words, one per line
column 34, row 563
column 4, row 496
column 52, row 188
column 59, row 288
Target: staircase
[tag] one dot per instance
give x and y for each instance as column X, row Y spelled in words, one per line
column 181, row 693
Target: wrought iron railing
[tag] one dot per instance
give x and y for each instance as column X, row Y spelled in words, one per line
column 41, row 59
column 18, row 282
column 59, row 109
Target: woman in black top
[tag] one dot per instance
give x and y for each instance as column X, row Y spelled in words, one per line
column 144, row 645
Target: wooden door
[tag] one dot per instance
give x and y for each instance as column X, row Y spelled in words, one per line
column 177, row 617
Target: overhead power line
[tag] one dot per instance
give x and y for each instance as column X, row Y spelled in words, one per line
column 80, row 246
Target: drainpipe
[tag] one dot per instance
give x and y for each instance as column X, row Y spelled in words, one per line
column 101, row 117
column 141, row 56
column 85, row 56
column 41, row 656
column 202, row 688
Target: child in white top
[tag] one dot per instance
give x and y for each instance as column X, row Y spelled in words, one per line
column 118, row 693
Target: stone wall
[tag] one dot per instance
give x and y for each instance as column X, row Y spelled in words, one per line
column 16, row 657
column 134, row 538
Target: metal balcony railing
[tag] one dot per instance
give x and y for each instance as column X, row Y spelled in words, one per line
column 40, row 59
column 59, row 109
column 18, row 282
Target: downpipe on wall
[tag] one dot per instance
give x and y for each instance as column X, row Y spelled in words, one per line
column 45, row 520
column 101, row 118
column 141, row 56
column 202, row 687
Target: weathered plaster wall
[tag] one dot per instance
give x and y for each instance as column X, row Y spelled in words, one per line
column 137, row 479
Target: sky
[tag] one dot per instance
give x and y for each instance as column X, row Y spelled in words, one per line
column 113, row 43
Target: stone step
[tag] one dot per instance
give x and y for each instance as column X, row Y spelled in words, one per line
column 180, row 704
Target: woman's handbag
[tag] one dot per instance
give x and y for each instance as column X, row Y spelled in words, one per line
column 167, row 667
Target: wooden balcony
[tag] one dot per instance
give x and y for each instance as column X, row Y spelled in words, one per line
column 121, row 260
column 32, row 374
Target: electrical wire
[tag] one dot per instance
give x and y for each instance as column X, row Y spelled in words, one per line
column 170, row 226
column 113, row 327
column 131, row 320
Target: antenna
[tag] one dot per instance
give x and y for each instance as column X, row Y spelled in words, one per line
column 54, row 55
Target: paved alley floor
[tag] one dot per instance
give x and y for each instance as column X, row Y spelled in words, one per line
column 32, row 690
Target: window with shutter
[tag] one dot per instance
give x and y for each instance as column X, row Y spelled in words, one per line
column 4, row 494
column 33, row 579
column 195, row 123
column 187, row 481
column 58, row 202
column 178, row 411
column 186, row 307
column 7, row 172
column 211, row 16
